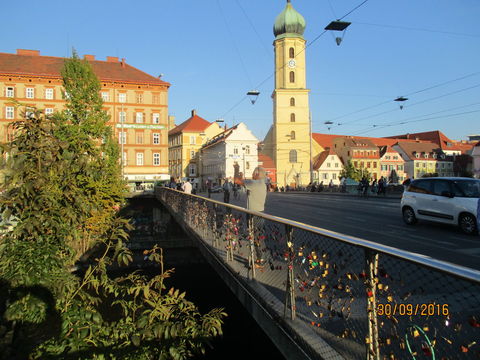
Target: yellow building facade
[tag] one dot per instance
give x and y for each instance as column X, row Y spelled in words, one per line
column 184, row 143
column 288, row 142
column 136, row 102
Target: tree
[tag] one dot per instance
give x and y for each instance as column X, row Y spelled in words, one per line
column 62, row 188
column 351, row 172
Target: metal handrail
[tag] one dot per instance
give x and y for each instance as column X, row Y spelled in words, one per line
column 422, row 260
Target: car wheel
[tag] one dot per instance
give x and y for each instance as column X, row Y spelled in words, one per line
column 468, row 224
column 409, row 216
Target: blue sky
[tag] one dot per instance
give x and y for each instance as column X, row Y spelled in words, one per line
column 214, row 51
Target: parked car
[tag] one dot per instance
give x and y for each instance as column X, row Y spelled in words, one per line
column 446, row 200
column 216, row 189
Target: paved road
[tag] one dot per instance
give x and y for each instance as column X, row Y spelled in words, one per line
column 376, row 220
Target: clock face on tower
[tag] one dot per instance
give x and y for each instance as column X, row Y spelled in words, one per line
column 291, row 63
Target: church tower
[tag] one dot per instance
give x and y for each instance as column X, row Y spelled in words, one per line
column 290, row 134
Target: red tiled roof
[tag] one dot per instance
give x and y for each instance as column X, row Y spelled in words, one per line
column 326, row 140
column 192, row 124
column 436, row 137
column 426, row 147
column 49, row 66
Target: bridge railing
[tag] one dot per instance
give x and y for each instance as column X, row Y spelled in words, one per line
column 365, row 300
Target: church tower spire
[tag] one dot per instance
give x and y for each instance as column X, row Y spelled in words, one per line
column 290, row 134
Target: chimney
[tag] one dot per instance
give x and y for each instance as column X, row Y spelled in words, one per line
column 123, row 62
column 28, row 52
column 194, row 112
column 89, row 57
column 112, row 59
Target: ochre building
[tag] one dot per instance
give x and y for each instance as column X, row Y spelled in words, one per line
column 136, row 102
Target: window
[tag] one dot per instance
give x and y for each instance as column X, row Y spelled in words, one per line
column 369, row 164
column 384, row 167
column 192, row 154
column 156, row 138
column 105, row 96
column 328, row 164
column 325, row 175
column 122, row 97
column 417, row 164
column 247, row 149
column 467, row 188
column 400, row 167
column 391, row 167
column 292, row 117
column 139, row 159
column 293, row 156
column 417, row 156
column 139, row 98
column 139, row 117
column 122, row 116
column 441, row 186
column 374, row 165
column 292, row 101
column 426, row 156
column 48, row 111
column 9, row 112
column 156, row 118
column 424, row 165
column 334, row 176
column 336, row 165
column 355, row 164
column 49, row 94
column 292, row 76
column 235, row 151
column 139, row 137
column 192, row 169
column 10, row 91
column 291, row 53
column 421, row 186
column 122, row 137
column 156, row 98
column 156, row 159
column 247, row 165
column 292, row 135
column 29, row 93
column 192, row 140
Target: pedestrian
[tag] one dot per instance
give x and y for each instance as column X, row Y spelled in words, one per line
column 330, row 185
column 187, row 187
column 227, row 187
column 256, row 196
column 382, row 186
column 209, row 188
column 374, row 186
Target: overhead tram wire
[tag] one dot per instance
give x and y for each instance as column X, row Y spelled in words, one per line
column 417, row 103
column 285, row 64
column 254, row 29
column 418, row 29
column 234, row 43
column 414, row 121
column 389, row 101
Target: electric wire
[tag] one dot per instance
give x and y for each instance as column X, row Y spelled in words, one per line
column 414, row 121
column 417, row 103
column 284, row 65
column 418, row 29
column 408, row 94
column 234, row 43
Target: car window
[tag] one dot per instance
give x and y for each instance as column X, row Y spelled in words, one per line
column 421, row 186
column 467, row 188
column 440, row 186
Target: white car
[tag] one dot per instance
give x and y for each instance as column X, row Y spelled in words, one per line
column 449, row 200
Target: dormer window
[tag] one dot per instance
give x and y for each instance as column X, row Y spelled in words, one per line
column 443, row 156
column 434, row 155
column 426, row 155
column 417, row 155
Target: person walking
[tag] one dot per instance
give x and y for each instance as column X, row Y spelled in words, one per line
column 256, row 196
column 187, row 187
column 382, row 187
column 227, row 187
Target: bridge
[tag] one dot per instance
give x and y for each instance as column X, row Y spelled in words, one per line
column 323, row 295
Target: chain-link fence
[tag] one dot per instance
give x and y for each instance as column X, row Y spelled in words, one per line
column 363, row 299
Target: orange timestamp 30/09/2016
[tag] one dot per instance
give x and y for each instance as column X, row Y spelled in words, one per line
column 408, row 309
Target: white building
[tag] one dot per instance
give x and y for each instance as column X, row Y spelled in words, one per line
column 229, row 154
column 327, row 166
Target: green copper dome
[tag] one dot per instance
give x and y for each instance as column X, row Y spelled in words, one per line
column 289, row 23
